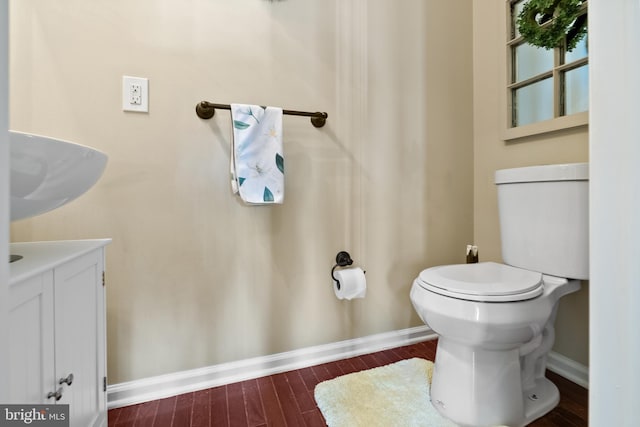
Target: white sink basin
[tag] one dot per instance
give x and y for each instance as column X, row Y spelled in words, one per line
column 47, row 173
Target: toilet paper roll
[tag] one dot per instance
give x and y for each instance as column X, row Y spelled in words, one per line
column 353, row 284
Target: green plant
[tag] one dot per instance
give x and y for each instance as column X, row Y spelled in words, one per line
column 545, row 23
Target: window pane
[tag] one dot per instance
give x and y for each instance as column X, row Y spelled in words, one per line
column 516, row 8
column 579, row 52
column 531, row 61
column 577, row 90
column 533, row 103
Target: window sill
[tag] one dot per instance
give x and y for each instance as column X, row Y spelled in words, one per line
column 548, row 126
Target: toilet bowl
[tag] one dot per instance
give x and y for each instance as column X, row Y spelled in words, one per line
column 492, row 347
column 495, row 321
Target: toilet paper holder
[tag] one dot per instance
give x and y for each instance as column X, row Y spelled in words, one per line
column 343, row 259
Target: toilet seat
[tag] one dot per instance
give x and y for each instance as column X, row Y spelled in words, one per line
column 483, row 282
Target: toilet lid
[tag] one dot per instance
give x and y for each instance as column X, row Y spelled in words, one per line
column 486, row 281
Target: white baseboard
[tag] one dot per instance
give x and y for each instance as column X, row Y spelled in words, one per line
column 162, row 386
column 568, row 368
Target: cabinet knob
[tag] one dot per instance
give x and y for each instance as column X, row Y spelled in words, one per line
column 57, row 394
column 67, row 380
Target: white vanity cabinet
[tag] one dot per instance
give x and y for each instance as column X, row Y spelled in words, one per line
column 57, row 316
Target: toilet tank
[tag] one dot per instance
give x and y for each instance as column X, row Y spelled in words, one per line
column 544, row 218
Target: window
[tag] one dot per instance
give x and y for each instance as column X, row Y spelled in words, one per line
column 548, row 88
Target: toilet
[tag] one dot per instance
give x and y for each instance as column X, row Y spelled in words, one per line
column 495, row 322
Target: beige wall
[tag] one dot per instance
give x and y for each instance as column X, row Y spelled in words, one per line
column 195, row 278
column 491, row 152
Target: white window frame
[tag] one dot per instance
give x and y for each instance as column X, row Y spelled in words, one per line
column 558, row 122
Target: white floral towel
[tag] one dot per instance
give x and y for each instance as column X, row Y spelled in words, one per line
column 257, row 160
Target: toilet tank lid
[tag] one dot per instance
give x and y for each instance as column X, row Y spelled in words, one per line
column 560, row 172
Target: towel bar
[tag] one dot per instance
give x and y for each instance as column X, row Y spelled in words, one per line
column 206, row 110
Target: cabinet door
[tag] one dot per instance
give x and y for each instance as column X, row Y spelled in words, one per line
column 30, row 345
column 78, row 336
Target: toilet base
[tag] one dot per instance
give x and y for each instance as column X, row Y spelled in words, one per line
column 479, row 387
column 540, row 400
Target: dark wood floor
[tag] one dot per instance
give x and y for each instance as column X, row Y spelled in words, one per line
column 286, row 399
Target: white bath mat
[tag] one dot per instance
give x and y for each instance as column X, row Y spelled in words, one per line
column 391, row 395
